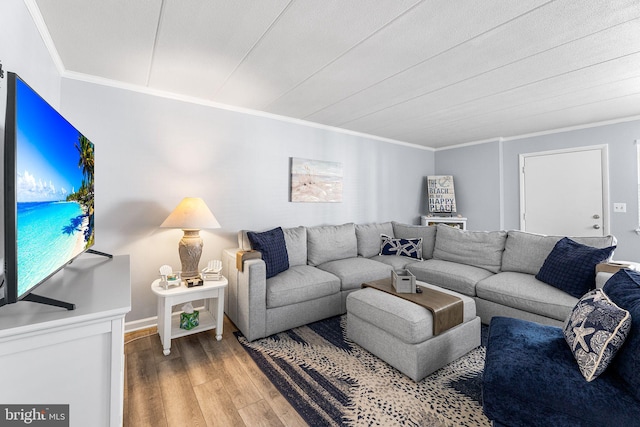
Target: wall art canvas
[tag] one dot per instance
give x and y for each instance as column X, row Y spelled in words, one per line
column 316, row 181
column 442, row 197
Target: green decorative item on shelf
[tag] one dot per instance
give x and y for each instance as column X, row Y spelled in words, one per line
column 189, row 320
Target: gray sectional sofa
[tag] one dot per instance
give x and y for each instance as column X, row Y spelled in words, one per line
column 326, row 263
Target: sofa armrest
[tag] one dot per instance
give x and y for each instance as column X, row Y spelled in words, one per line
column 252, row 299
column 247, row 295
column 607, row 269
column 601, row 278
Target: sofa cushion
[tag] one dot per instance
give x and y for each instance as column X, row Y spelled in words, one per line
column 525, row 252
column 531, row 378
column 298, row 284
column 331, row 242
column 403, row 319
column 396, row 262
column 353, row 272
column 524, row 292
column 571, row 266
column 624, row 290
column 595, row 331
column 477, row 248
column 460, row 278
column 296, row 241
column 368, row 236
column 273, row 248
column 408, row 231
column 411, row 248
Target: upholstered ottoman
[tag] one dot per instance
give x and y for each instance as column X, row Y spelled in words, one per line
column 400, row 332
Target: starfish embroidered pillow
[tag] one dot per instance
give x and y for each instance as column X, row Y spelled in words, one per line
column 595, row 331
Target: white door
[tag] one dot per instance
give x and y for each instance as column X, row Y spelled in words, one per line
column 565, row 192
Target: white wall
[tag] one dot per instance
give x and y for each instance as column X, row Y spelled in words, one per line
column 476, row 179
column 153, row 151
column 23, row 52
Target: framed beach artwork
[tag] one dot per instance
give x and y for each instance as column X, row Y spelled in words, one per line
column 316, row 181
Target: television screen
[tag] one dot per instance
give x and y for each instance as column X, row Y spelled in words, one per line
column 49, row 181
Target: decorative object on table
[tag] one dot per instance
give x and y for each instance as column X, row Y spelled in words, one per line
column 189, row 318
column 442, row 196
column 242, row 256
column 191, row 215
column 169, row 279
column 213, row 270
column 315, row 181
column 403, row 282
column 194, row 281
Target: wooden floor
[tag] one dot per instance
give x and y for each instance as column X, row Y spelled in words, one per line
column 203, row 382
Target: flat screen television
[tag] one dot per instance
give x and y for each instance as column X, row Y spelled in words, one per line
column 48, row 197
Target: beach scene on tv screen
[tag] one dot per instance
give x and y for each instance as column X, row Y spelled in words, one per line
column 54, row 190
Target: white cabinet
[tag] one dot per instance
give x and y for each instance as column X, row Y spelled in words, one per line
column 49, row 355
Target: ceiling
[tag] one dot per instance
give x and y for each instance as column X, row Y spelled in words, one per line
column 434, row 73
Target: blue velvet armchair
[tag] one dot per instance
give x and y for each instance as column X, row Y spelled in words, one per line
column 531, row 377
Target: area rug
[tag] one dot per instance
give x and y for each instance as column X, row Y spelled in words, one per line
column 332, row 381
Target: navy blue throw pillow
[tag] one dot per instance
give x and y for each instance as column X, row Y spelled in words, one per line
column 273, row 248
column 571, row 266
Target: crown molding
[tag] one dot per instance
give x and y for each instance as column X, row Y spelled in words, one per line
column 72, row 75
column 542, row 133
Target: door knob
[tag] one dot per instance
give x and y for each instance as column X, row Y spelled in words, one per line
column 596, row 226
column 596, row 216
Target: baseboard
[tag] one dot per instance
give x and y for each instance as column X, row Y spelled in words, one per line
column 137, row 325
column 149, row 322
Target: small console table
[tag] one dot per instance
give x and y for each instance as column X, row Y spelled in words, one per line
column 212, row 316
column 456, row 222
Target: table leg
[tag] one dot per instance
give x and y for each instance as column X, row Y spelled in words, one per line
column 165, row 335
column 220, row 314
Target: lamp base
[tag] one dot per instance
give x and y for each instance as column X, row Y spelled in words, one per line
column 190, row 250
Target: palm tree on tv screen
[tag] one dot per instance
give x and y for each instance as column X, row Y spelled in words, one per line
column 84, row 195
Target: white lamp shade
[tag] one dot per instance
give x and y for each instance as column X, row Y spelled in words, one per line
column 191, row 214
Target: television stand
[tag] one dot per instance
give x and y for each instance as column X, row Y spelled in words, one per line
column 72, row 357
column 93, row 251
column 49, row 301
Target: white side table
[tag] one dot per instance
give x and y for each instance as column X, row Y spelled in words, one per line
column 454, row 221
column 212, row 316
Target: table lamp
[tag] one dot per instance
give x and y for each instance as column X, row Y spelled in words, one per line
column 191, row 215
